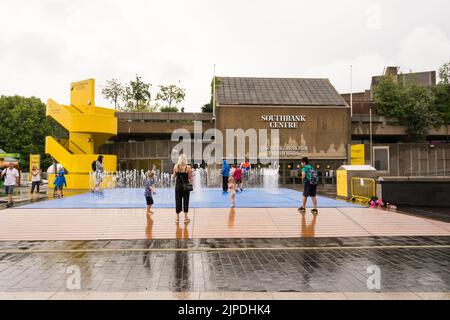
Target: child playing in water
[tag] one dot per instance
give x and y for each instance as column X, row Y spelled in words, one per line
column 60, row 182
column 237, row 175
column 150, row 190
column 232, row 190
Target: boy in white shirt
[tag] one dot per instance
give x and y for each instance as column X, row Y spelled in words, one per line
column 11, row 180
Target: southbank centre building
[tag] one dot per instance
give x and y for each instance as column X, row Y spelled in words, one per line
column 312, row 120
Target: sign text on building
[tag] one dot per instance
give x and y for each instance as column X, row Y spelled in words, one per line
column 283, row 121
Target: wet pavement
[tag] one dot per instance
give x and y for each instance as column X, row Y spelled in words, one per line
column 435, row 213
column 242, row 253
column 23, row 196
column 97, row 224
column 407, row 264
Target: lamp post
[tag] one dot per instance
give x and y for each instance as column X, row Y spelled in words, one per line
column 214, row 93
column 351, row 90
column 370, row 137
column 214, row 117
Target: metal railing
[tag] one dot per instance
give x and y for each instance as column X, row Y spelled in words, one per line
column 363, row 189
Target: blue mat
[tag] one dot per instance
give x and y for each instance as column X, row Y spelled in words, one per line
column 205, row 198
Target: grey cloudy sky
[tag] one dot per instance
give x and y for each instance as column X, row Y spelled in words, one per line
column 46, row 44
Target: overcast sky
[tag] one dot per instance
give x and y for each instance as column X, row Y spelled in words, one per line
column 46, row 44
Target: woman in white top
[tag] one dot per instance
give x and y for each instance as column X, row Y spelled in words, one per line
column 35, row 179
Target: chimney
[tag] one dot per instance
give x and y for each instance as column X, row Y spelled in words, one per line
column 391, row 71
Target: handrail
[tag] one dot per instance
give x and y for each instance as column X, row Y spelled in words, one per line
column 363, row 189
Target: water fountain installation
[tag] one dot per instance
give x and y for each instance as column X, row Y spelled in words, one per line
column 125, row 189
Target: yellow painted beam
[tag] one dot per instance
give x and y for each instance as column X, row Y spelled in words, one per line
column 89, row 127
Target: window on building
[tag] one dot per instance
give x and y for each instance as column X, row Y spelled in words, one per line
column 381, row 158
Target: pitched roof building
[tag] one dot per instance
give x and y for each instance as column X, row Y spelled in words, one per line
column 277, row 92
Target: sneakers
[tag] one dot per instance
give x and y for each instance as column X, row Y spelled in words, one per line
column 313, row 211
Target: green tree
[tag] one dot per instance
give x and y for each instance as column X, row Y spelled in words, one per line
column 24, row 126
column 442, row 94
column 444, row 73
column 417, row 112
column 441, row 102
column 170, row 97
column 137, row 96
column 168, row 109
column 388, row 96
column 113, row 91
column 207, row 108
column 412, row 105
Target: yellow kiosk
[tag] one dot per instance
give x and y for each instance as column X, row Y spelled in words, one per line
column 89, row 127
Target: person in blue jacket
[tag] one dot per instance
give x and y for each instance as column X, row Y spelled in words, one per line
column 60, row 182
column 225, row 175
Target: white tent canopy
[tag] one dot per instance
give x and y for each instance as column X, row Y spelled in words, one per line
column 51, row 169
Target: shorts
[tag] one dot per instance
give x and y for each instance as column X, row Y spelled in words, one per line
column 58, row 188
column 309, row 190
column 149, row 200
column 9, row 190
column 238, row 181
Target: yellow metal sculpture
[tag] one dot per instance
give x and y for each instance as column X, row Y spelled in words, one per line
column 89, row 127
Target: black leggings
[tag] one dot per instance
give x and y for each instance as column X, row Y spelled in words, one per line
column 182, row 201
column 224, row 183
column 35, row 184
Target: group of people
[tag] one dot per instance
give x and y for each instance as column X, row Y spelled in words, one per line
column 232, row 182
column 233, row 178
column 182, row 172
column 12, row 179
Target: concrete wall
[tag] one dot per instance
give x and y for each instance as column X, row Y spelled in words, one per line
column 427, row 192
column 326, row 131
column 416, row 159
column 136, row 123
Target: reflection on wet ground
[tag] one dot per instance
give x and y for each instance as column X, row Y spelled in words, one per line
column 96, row 224
column 308, row 230
column 440, row 214
column 253, row 265
column 23, row 196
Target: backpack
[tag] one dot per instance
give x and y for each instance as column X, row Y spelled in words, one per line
column 94, row 165
column 313, row 179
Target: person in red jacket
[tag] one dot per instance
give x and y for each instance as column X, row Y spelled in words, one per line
column 245, row 167
column 237, row 175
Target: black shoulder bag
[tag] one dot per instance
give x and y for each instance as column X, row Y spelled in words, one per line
column 186, row 185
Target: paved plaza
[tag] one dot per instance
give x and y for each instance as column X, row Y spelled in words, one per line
column 270, row 268
column 113, row 224
column 243, row 253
